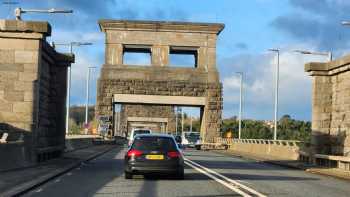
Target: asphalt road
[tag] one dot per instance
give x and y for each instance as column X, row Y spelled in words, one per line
column 206, row 174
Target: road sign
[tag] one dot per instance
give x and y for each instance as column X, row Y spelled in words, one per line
column 104, row 118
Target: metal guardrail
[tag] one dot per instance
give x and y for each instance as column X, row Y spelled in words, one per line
column 259, row 141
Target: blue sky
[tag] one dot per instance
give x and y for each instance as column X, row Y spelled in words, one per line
column 251, row 27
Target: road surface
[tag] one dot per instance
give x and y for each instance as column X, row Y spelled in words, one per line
column 207, row 174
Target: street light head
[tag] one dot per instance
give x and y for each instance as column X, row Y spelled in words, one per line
column 53, row 10
column 274, row 50
column 302, row 51
column 345, row 22
column 19, row 11
column 86, row 43
column 80, row 43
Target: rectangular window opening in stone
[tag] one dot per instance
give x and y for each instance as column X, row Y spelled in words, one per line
column 183, row 57
column 137, row 55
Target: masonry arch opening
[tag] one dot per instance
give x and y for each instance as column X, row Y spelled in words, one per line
column 161, row 115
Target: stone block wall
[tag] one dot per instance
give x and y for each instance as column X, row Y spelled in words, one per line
column 211, row 114
column 331, row 106
column 32, row 87
column 157, row 111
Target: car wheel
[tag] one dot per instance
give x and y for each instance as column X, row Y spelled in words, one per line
column 180, row 174
column 128, row 175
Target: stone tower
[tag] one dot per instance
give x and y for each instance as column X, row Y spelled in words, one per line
column 148, row 93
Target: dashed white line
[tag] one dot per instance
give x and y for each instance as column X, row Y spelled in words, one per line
column 236, row 185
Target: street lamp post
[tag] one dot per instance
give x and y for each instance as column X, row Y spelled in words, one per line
column 240, row 104
column 87, row 95
column 182, row 120
column 20, row 11
column 176, row 119
column 277, row 51
column 69, row 74
column 327, row 54
column 191, row 124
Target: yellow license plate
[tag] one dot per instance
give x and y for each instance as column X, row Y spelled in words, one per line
column 155, row 157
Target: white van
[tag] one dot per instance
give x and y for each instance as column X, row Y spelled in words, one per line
column 137, row 131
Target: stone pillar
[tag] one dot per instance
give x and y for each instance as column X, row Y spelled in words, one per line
column 321, row 114
column 202, row 61
column 212, row 112
column 160, row 55
column 114, row 54
column 330, row 106
column 32, row 85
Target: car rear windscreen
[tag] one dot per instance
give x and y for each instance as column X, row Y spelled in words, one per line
column 137, row 132
column 154, row 144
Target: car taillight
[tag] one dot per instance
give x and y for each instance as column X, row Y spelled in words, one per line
column 173, row 154
column 135, row 153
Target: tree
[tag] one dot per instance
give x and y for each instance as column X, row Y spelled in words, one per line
column 288, row 129
column 73, row 127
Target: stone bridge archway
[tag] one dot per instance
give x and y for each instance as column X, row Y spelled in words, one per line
column 160, row 83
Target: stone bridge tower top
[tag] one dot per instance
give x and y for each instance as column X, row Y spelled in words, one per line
column 148, row 92
column 161, row 39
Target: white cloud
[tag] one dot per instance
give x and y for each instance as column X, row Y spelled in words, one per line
column 259, row 83
column 79, row 75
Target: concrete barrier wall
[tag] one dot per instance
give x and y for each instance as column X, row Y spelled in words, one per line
column 269, row 149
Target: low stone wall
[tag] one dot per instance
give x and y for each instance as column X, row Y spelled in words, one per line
column 16, row 154
column 270, row 149
column 13, row 155
column 79, row 142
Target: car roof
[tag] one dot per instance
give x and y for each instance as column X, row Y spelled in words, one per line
column 137, row 129
column 155, row 135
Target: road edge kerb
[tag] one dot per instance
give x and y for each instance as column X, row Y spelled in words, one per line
column 308, row 170
column 26, row 187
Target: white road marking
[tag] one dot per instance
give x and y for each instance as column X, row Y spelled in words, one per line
column 236, row 183
column 233, row 188
column 38, row 190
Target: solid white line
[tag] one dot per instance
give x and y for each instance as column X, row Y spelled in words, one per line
column 227, row 179
column 233, row 188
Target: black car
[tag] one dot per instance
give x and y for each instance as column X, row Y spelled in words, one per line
column 154, row 153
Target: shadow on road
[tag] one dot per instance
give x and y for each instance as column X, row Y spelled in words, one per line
column 86, row 180
column 224, row 195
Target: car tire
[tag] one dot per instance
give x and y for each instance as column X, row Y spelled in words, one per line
column 180, row 174
column 128, row 175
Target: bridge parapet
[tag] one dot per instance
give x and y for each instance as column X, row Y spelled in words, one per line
column 271, row 149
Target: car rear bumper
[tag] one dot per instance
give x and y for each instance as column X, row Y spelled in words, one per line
column 153, row 169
